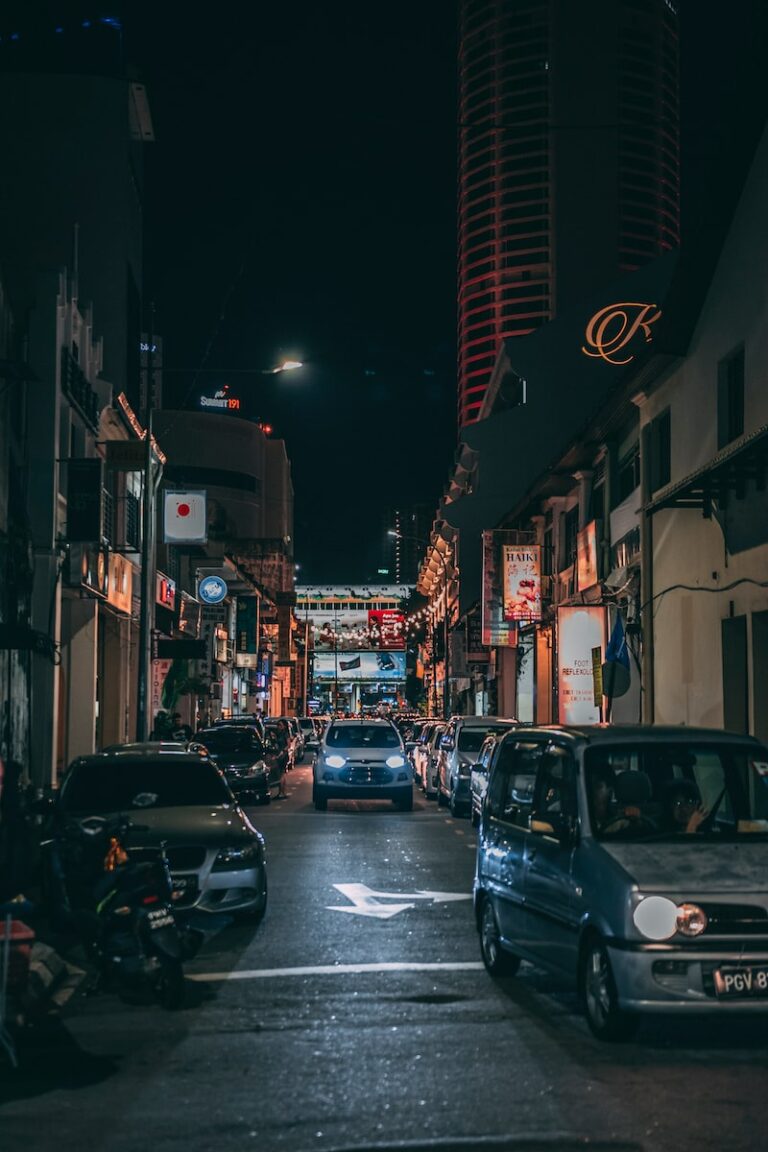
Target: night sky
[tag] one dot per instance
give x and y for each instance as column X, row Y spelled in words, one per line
column 301, row 201
column 303, row 185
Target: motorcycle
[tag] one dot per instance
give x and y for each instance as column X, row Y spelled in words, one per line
column 120, row 907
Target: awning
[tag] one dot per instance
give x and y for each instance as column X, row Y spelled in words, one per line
column 727, row 474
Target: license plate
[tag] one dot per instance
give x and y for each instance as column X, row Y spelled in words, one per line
column 741, row 982
column 160, row 918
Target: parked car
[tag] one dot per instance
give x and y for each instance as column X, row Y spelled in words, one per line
column 272, row 726
column 216, row 856
column 248, row 719
column 251, row 765
column 362, row 760
column 429, row 761
column 297, row 734
column 632, row 860
column 478, row 777
column 159, row 746
column 418, row 753
column 310, row 734
column 458, row 749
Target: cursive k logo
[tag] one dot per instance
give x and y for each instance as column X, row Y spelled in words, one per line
column 611, row 329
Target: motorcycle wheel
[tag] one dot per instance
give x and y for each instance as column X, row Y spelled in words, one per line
column 170, row 986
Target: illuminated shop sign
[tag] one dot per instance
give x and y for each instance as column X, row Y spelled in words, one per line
column 522, row 582
column 165, row 591
column 579, row 632
column 386, row 628
column 222, row 400
column 611, row 330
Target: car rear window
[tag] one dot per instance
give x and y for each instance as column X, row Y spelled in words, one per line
column 231, row 740
column 362, row 736
column 471, row 739
column 119, row 785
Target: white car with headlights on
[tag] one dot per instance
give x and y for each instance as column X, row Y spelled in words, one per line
column 633, row 860
column 362, row 760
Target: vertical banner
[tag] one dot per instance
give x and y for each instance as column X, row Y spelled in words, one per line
column 496, row 631
column 522, row 582
column 579, row 632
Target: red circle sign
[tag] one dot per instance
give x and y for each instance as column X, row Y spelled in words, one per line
column 183, row 510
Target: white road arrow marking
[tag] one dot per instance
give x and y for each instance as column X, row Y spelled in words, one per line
column 365, row 901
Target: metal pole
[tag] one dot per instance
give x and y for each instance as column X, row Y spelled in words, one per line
column 147, row 592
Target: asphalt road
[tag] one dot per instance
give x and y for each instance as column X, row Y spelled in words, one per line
column 358, row 1014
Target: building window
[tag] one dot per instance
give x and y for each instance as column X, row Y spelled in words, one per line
column 570, row 533
column 730, row 398
column 628, row 473
column 659, row 451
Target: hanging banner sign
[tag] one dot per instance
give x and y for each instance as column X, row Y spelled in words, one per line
column 496, row 631
column 522, row 582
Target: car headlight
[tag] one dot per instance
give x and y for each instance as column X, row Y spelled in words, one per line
column 659, row 919
column 259, row 768
column 335, row 761
column 396, row 761
column 229, row 859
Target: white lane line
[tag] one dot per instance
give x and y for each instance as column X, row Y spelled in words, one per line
column 338, row 970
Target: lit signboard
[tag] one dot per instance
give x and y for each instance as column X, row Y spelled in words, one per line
column 522, row 582
column 386, row 628
column 221, row 400
column 579, row 632
column 610, row 331
column 359, row 666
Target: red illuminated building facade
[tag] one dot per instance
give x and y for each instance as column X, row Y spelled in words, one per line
column 568, row 162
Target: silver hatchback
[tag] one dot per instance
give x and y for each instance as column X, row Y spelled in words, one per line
column 633, row 860
column 362, row 760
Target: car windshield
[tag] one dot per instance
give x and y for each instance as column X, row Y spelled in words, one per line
column 119, row 785
column 224, row 740
column 471, row 739
column 362, row 736
column 653, row 790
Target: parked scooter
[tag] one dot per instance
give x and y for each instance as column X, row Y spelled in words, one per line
column 121, row 908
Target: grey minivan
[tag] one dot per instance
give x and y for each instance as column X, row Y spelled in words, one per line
column 632, row 859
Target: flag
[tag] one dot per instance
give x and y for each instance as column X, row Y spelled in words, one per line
column 185, row 519
column 347, row 665
column 617, row 650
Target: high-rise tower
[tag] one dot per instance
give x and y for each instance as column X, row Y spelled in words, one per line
column 568, row 161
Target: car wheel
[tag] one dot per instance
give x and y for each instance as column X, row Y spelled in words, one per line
column 605, row 1018
column 442, row 799
column 320, row 802
column 453, row 803
column 496, row 960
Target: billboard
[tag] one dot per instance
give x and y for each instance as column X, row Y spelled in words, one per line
column 358, row 666
column 521, row 565
column 386, row 628
column 579, row 632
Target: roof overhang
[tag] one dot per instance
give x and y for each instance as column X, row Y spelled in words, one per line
column 727, row 474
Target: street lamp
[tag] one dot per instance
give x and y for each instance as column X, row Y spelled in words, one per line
column 446, row 663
